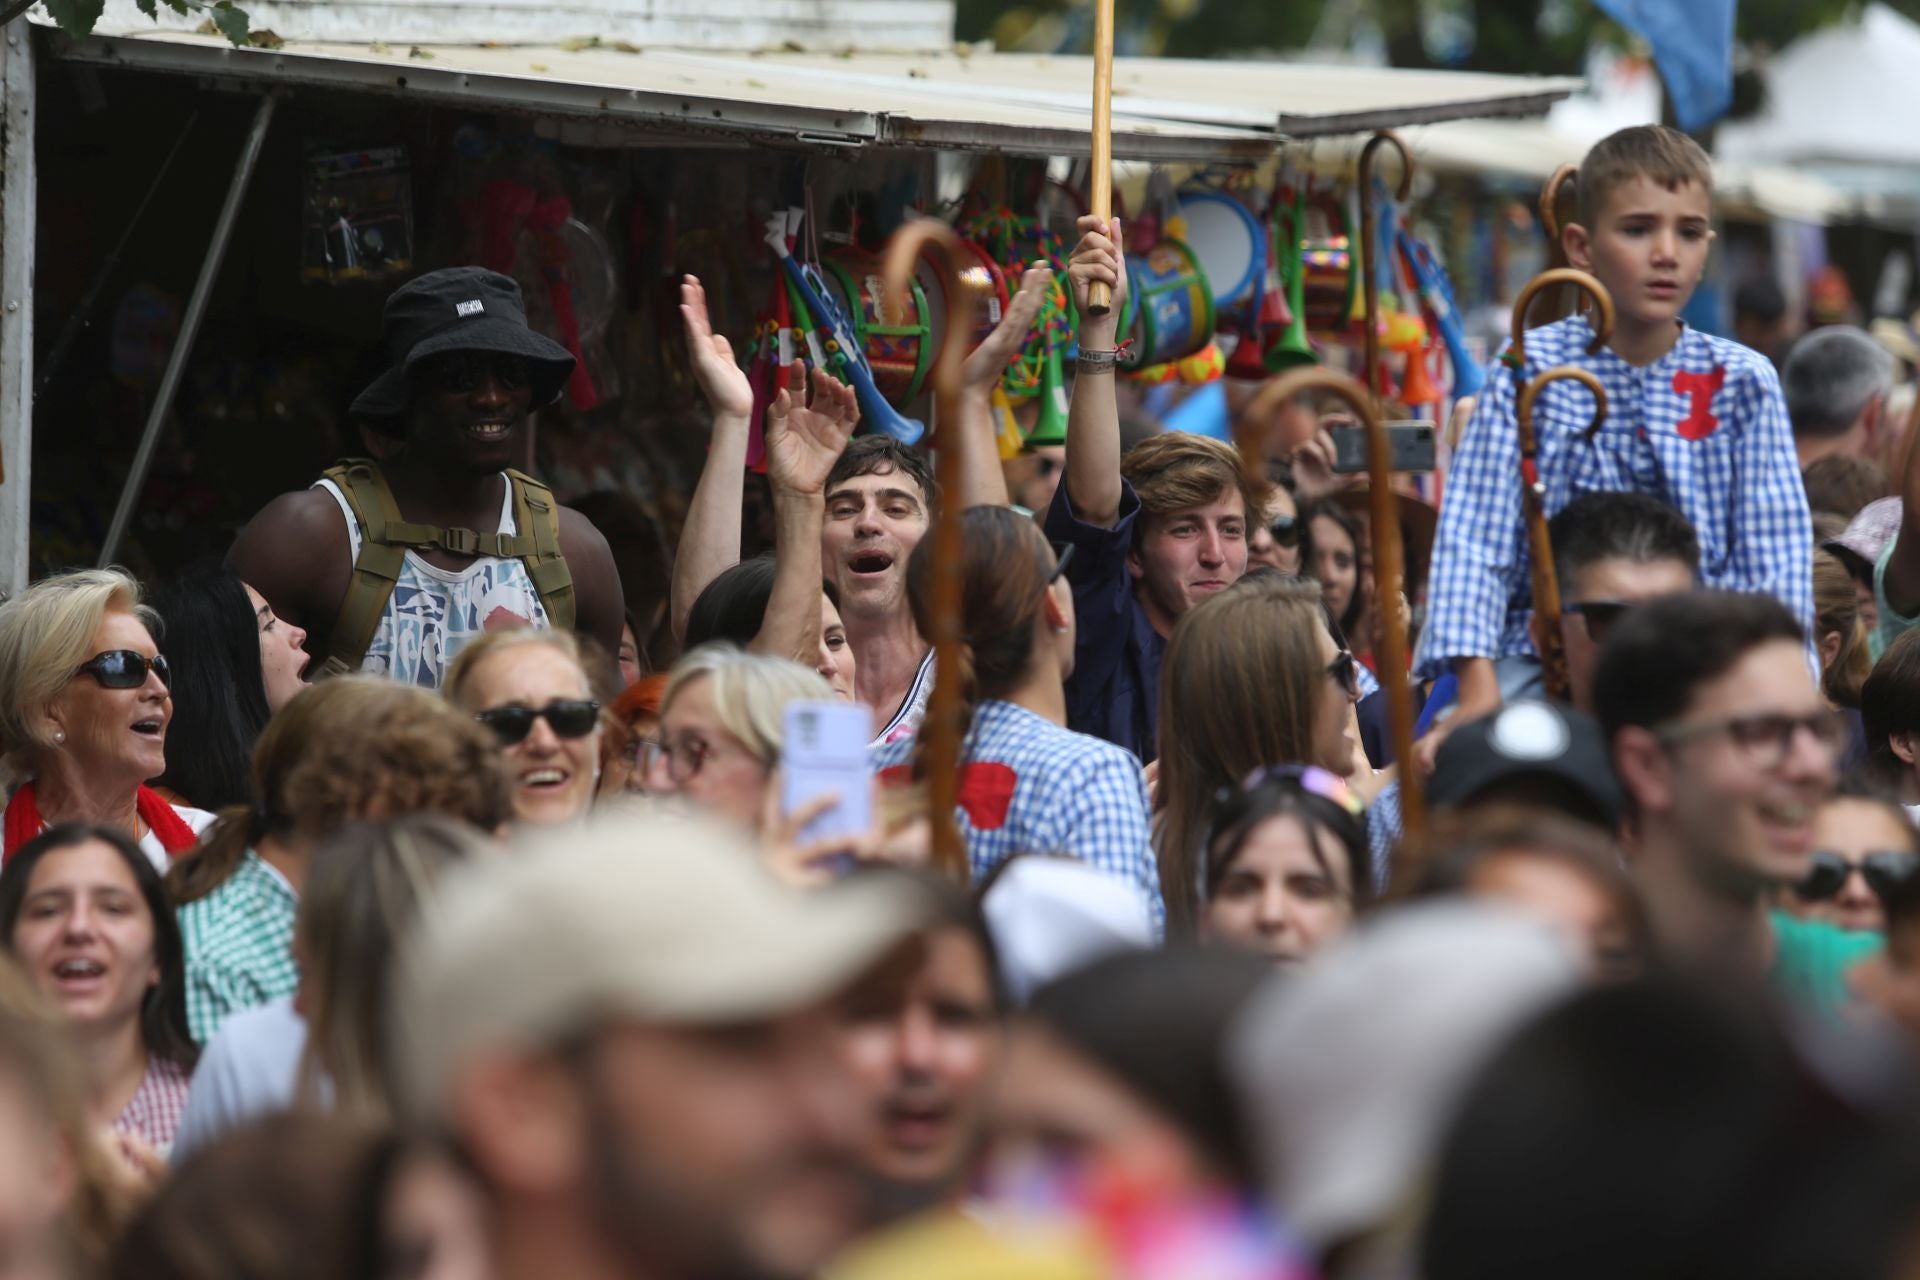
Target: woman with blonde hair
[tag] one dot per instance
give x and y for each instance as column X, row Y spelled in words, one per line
column 721, row 728
column 85, row 700
column 531, row 689
column 348, row 748
column 1252, row 678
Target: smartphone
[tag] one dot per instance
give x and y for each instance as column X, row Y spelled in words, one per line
column 826, row 754
column 1411, row 443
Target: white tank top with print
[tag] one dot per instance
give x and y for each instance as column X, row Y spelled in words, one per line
column 434, row 611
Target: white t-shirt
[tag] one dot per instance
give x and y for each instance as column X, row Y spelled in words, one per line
column 198, row 819
column 249, row 1069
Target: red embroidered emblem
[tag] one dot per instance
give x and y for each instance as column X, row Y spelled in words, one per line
column 986, row 791
column 1699, row 389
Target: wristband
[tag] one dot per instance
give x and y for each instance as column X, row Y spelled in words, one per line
column 1097, row 361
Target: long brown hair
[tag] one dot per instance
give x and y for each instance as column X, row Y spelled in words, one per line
column 1837, row 610
column 1004, row 566
column 1240, row 685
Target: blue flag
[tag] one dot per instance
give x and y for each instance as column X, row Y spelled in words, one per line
column 1692, row 42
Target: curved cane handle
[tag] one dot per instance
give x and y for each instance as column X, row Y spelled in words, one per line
column 1549, row 206
column 1523, row 411
column 1602, row 309
column 1370, row 249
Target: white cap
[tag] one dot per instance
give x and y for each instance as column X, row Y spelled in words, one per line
column 1349, row 1071
column 1050, row 916
column 640, row 916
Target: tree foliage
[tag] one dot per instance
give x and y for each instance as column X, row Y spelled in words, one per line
column 77, row 17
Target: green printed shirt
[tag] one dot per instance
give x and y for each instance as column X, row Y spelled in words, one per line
column 239, row 945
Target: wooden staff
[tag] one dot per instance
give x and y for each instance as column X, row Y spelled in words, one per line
column 1099, row 294
column 940, row 754
column 1369, row 249
column 1389, row 570
column 1561, row 302
column 1546, row 583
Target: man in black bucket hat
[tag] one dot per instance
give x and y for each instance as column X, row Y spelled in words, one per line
column 392, row 565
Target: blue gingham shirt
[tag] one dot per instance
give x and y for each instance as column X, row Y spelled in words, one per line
column 1070, row 794
column 1704, row 428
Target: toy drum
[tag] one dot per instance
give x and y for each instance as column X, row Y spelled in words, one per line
column 1174, row 315
column 986, row 283
column 899, row 349
column 1331, row 268
column 1232, row 248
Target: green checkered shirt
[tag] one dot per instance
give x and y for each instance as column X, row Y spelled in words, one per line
column 239, row 945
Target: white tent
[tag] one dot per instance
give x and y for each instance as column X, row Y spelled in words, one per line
column 1839, row 105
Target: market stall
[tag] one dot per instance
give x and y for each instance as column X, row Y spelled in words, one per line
column 597, row 176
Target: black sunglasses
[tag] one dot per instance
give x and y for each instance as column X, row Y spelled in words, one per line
column 1062, row 557
column 1600, row 615
column 567, row 717
column 1344, row 672
column 125, row 669
column 463, row 372
column 1884, row 872
column 1285, row 531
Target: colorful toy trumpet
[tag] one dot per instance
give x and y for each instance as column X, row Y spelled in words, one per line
column 1370, row 247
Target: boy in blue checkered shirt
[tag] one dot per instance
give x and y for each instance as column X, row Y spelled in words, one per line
column 1695, row 420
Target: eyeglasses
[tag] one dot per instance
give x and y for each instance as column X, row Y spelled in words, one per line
column 1600, row 615
column 1345, row 673
column 1062, row 557
column 125, row 669
column 1766, row 740
column 1309, row 778
column 1884, row 871
column 567, row 717
column 683, row 759
column 1285, row 531
column 464, row 372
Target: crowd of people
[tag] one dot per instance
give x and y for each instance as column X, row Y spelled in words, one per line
column 373, row 907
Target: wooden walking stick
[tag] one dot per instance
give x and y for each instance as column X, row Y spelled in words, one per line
column 1389, row 570
column 1561, row 303
column 1545, row 582
column 940, row 754
column 1370, row 249
column 1099, row 294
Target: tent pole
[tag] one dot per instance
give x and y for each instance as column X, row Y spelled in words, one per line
column 18, row 192
column 189, row 328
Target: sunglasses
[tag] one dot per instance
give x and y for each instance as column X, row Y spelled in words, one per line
column 1309, row 778
column 1285, row 531
column 125, row 669
column 1345, row 673
column 1062, row 557
column 464, row 372
column 1599, row 615
column 567, row 717
column 1884, row 872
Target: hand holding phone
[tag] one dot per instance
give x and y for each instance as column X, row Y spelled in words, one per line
column 825, row 757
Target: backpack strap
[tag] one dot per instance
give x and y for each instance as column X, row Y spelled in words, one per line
column 537, row 518
column 375, row 570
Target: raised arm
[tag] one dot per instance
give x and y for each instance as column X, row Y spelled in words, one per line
column 983, row 483
column 1093, row 416
column 803, row 442
column 710, row 541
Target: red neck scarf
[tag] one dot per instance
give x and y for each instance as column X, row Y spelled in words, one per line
column 23, row 821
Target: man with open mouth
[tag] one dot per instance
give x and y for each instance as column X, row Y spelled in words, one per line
column 391, row 565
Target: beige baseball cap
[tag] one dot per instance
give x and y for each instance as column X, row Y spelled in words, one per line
column 646, row 916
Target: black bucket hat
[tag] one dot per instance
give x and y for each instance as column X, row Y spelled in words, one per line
column 459, row 309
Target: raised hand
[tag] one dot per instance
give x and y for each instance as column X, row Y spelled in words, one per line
column 722, row 381
column 991, row 358
column 804, row 441
column 1098, row 256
